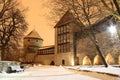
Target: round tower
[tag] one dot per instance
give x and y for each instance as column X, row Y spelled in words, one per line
column 32, row 42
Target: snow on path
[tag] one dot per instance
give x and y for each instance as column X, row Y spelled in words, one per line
column 108, row 70
column 45, row 73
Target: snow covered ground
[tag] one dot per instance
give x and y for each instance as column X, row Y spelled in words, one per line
column 57, row 73
column 45, row 73
column 109, row 70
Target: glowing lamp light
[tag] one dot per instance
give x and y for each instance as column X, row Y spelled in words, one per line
column 72, row 62
column 112, row 29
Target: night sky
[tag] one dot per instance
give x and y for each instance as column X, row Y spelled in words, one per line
column 37, row 18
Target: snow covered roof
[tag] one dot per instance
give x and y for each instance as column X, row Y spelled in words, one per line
column 33, row 34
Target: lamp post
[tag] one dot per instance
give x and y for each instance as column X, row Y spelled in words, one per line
column 114, row 32
column 112, row 29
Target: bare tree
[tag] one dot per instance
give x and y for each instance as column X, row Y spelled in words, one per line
column 6, row 5
column 87, row 13
column 115, row 9
column 13, row 27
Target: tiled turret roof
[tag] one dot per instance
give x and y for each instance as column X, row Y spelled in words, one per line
column 33, row 34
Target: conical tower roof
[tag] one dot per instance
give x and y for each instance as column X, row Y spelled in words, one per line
column 33, row 34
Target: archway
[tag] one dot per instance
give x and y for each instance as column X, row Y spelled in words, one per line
column 86, row 61
column 119, row 59
column 97, row 60
column 109, row 58
column 52, row 63
column 63, row 62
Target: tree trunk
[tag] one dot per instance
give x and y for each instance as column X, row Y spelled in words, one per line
column 117, row 6
column 3, row 54
column 101, row 54
column 95, row 41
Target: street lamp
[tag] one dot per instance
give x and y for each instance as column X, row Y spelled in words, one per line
column 112, row 29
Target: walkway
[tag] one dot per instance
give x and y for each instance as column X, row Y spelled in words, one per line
column 54, row 73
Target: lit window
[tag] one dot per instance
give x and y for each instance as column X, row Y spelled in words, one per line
column 68, row 37
column 59, row 39
column 65, row 29
column 62, row 38
column 62, row 29
column 68, row 28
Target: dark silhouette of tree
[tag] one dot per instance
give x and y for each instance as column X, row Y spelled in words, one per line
column 12, row 26
column 6, row 5
column 115, row 10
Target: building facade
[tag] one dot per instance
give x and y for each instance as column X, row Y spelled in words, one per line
column 71, row 48
column 32, row 42
column 64, row 40
column 46, row 55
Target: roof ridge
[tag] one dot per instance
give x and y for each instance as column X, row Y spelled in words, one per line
column 67, row 17
column 33, row 34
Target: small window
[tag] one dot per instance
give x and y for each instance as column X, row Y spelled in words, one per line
column 68, row 28
column 62, row 30
column 28, row 40
column 65, row 29
column 36, row 40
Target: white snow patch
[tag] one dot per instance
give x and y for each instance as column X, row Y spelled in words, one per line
column 45, row 73
column 109, row 70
